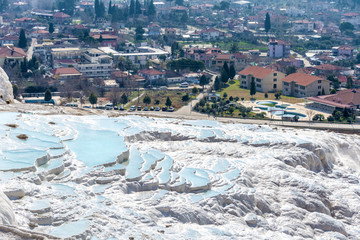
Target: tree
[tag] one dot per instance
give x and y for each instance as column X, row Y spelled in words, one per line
column 252, row 87
column 110, row 8
column 185, row 98
column 332, row 91
column 179, row 2
column 349, row 82
column 139, row 31
column 47, row 96
column 67, row 6
column 147, row 100
column 217, row 83
column 151, row 9
column 289, row 70
column 232, row 72
column 184, row 18
column 234, row 48
column 334, row 80
column 266, row 95
column 277, row 95
column 124, row 99
column 203, row 81
column 224, row 75
column 15, row 90
column 195, row 90
column 168, row 102
column 225, row 95
column 226, row 67
column 346, row 26
column 267, row 23
column 137, row 7
column 22, row 39
column 92, row 98
column 51, row 27
column 185, row 63
column 132, row 8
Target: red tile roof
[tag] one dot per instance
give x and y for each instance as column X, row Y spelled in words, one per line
column 60, row 15
column 24, row 19
column 345, row 98
column 150, row 72
column 301, row 78
column 328, row 67
column 65, row 71
column 258, row 72
column 11, row 52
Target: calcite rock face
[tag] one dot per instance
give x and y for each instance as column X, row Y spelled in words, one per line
column 6, row 212
column 6, row 90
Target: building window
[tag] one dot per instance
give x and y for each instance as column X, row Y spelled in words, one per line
column 258, row 85
column 243, row 76
column 302, row 87
column 286, row 84
column 275, row 79
column 319, row 87
column 319, row 81
column 274, row 86
column 258, row 80
column 296, row 91
column 275, row 74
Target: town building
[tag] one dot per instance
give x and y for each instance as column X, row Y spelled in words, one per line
column 266, row 79
column 64, row 74
column 11, row 54
column 278, row 49
column 346, row 99
column 304, row 85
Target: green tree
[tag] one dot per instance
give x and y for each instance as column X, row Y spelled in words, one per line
column 277, row 95
column 289, row 70
column 92, row 98
column 225, row 95
column 332, row 91
column 110, row 8
column 217, row 84
column 185, row 98
column 346, row 26
column 137, row 7
column 47, row 95
column 67, row 6
column 15, row 90
column 132, row 8
column 22, row 39
column 168, row 102
column 334, row 80
column 184, row 18
column 252, row 87
column 226, row 67
column 51, row 27
column 195, row 90
column 224, row 75
column 232, row 71
column 203, row 81
column 151, row 9
column 124, row 99
column 234, row 48
column 147, row 100
column 349, row 82
column 267, row 23
column 139, row 32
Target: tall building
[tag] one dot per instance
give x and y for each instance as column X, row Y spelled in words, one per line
column 278, row 49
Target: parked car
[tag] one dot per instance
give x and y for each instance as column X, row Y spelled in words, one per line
column 157, row 109
column 152, row 108
column 164, row 108
column 146, row 109
column 171, row 109
column 132, row 108
column 139, row 108
column 116, row 108
column 122, row 108
column 184, row 85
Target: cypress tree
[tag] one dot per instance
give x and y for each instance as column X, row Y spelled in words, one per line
column 47, row 95
column 267, row 23
column 51, row 27
column 226, row 67
column 132, row 8
column 22, row 39
column 232, row 72
column 252, row 87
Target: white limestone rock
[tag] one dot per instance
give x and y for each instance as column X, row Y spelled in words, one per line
column 6, row 212
column 6, row 91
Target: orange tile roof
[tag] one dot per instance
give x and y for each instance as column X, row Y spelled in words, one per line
column 65, row 71
column 10, row 52
column 258, row 72
column 345, row 98
column 151, row 72
column 301, row 78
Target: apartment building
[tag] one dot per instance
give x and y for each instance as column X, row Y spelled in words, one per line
column 304, row 85
column 266, row 79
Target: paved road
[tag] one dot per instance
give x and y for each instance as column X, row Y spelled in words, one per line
column 31, row 49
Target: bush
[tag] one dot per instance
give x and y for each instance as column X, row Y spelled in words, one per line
column 330, row 118
column 266, row 95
